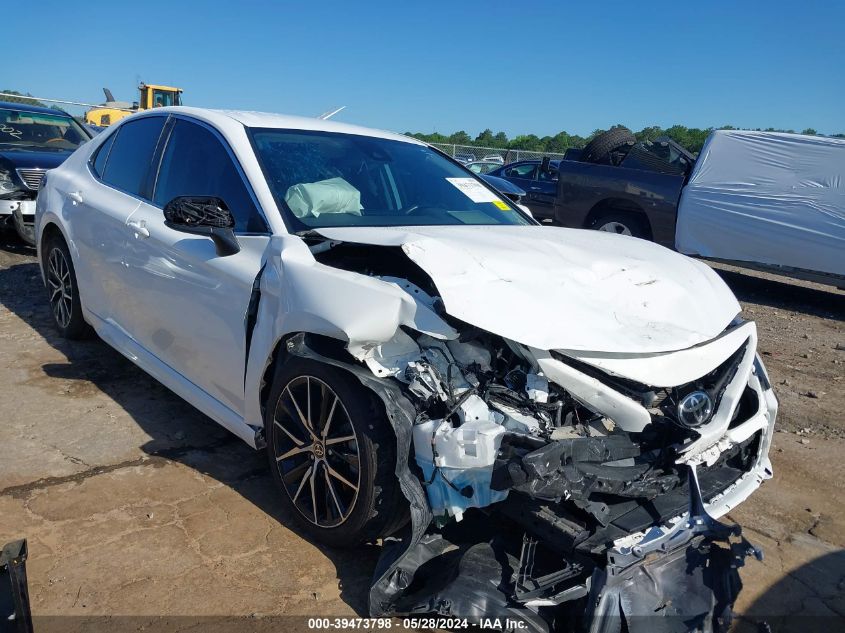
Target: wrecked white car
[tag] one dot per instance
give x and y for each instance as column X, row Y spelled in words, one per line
column 541, row 423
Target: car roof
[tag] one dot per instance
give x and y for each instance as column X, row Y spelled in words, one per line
column 284, row 122
column 25, row 107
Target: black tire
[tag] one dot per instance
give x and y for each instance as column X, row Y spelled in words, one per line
column 344, row 517
column 597, row 150
column 613, row 221
column 63, row 290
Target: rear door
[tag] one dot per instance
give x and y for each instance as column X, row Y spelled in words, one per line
column 189, row 304
column 102, row 202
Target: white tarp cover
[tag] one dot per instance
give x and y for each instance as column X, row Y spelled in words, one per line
column 769, row 198
column 312, row 199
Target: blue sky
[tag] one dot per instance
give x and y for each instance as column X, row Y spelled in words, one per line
column 519, row 67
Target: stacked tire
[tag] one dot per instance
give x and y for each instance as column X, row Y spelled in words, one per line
column 601, row 147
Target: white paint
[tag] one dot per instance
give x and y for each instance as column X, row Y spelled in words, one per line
column 625, row 412
column 668, row 369
column 556, row 288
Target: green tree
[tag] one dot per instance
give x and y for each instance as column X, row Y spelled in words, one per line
column 460, row 138
column 690, row 138
column 486, row 138
column 23, row 98
column 529, row 142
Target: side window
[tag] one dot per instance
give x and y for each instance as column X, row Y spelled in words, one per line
column 195, row 163
column 131, row 154
column 99, row 164
column 526, row 170
column 548, row 176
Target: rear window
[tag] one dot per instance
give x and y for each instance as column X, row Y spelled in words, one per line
column 131, row 153
column 99, row 163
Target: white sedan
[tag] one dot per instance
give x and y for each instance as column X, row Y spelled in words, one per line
column 420, row 358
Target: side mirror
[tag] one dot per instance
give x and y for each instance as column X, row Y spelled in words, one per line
column 544, row 165
column 204, row 215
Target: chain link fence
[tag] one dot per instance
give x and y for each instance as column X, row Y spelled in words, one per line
column 467, row 153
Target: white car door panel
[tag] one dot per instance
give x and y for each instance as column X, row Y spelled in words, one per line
column 103, row 197
column 187, row 305
column 100, row 215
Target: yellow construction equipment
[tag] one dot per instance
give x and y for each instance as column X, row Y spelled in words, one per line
column 151, row 96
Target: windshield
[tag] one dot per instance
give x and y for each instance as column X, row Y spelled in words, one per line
column 29, row 130
column 324, row 179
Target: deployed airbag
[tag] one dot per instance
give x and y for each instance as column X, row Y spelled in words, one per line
column 313, row 199
column 768, row 198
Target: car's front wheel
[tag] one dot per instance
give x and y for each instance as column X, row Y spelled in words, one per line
column 62, row 289
column 332, row 454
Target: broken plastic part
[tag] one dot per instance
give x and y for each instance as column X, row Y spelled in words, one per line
column 457, row 462
column 691, row 585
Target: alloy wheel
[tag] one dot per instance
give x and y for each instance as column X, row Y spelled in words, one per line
column 316, row 451
column 60, row 286
column 615, row 227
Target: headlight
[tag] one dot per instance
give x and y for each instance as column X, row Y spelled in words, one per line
column 7, row 185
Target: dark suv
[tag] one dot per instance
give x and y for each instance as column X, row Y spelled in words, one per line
column 32, row 140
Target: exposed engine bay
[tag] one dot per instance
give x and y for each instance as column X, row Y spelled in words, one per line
column 543, row 483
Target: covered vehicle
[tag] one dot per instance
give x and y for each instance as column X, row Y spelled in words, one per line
column 532, row 418
column 768, row 199
column 32, row 140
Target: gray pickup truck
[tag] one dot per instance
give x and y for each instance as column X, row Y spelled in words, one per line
column 613, row 184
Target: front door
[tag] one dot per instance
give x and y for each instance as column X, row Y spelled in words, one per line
column 189, row 304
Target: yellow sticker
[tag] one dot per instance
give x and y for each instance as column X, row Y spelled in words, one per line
column 501, row 205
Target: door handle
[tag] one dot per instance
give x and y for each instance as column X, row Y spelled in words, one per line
column 75, row 196
column 139, row 228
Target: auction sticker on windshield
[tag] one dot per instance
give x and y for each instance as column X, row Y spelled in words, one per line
column 473, row 189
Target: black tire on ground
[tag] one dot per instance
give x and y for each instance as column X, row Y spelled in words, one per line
column 597, row 150
column 621, row 223
column 62, row 290
column 337, row 478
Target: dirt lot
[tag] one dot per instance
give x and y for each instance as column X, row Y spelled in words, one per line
column 135, row 504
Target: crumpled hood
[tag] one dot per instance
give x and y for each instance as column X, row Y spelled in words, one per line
column 556, row 288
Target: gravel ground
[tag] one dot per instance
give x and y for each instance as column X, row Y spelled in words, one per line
column 135, row 504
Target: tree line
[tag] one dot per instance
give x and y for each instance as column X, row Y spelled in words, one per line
column 690, row 138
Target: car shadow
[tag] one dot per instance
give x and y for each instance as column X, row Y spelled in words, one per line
column 11, row 243
column 196, row 441
column 828, row 303
column 810, row 599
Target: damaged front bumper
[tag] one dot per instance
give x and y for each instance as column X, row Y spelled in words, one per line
column 676, row 578
column 561, row 559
